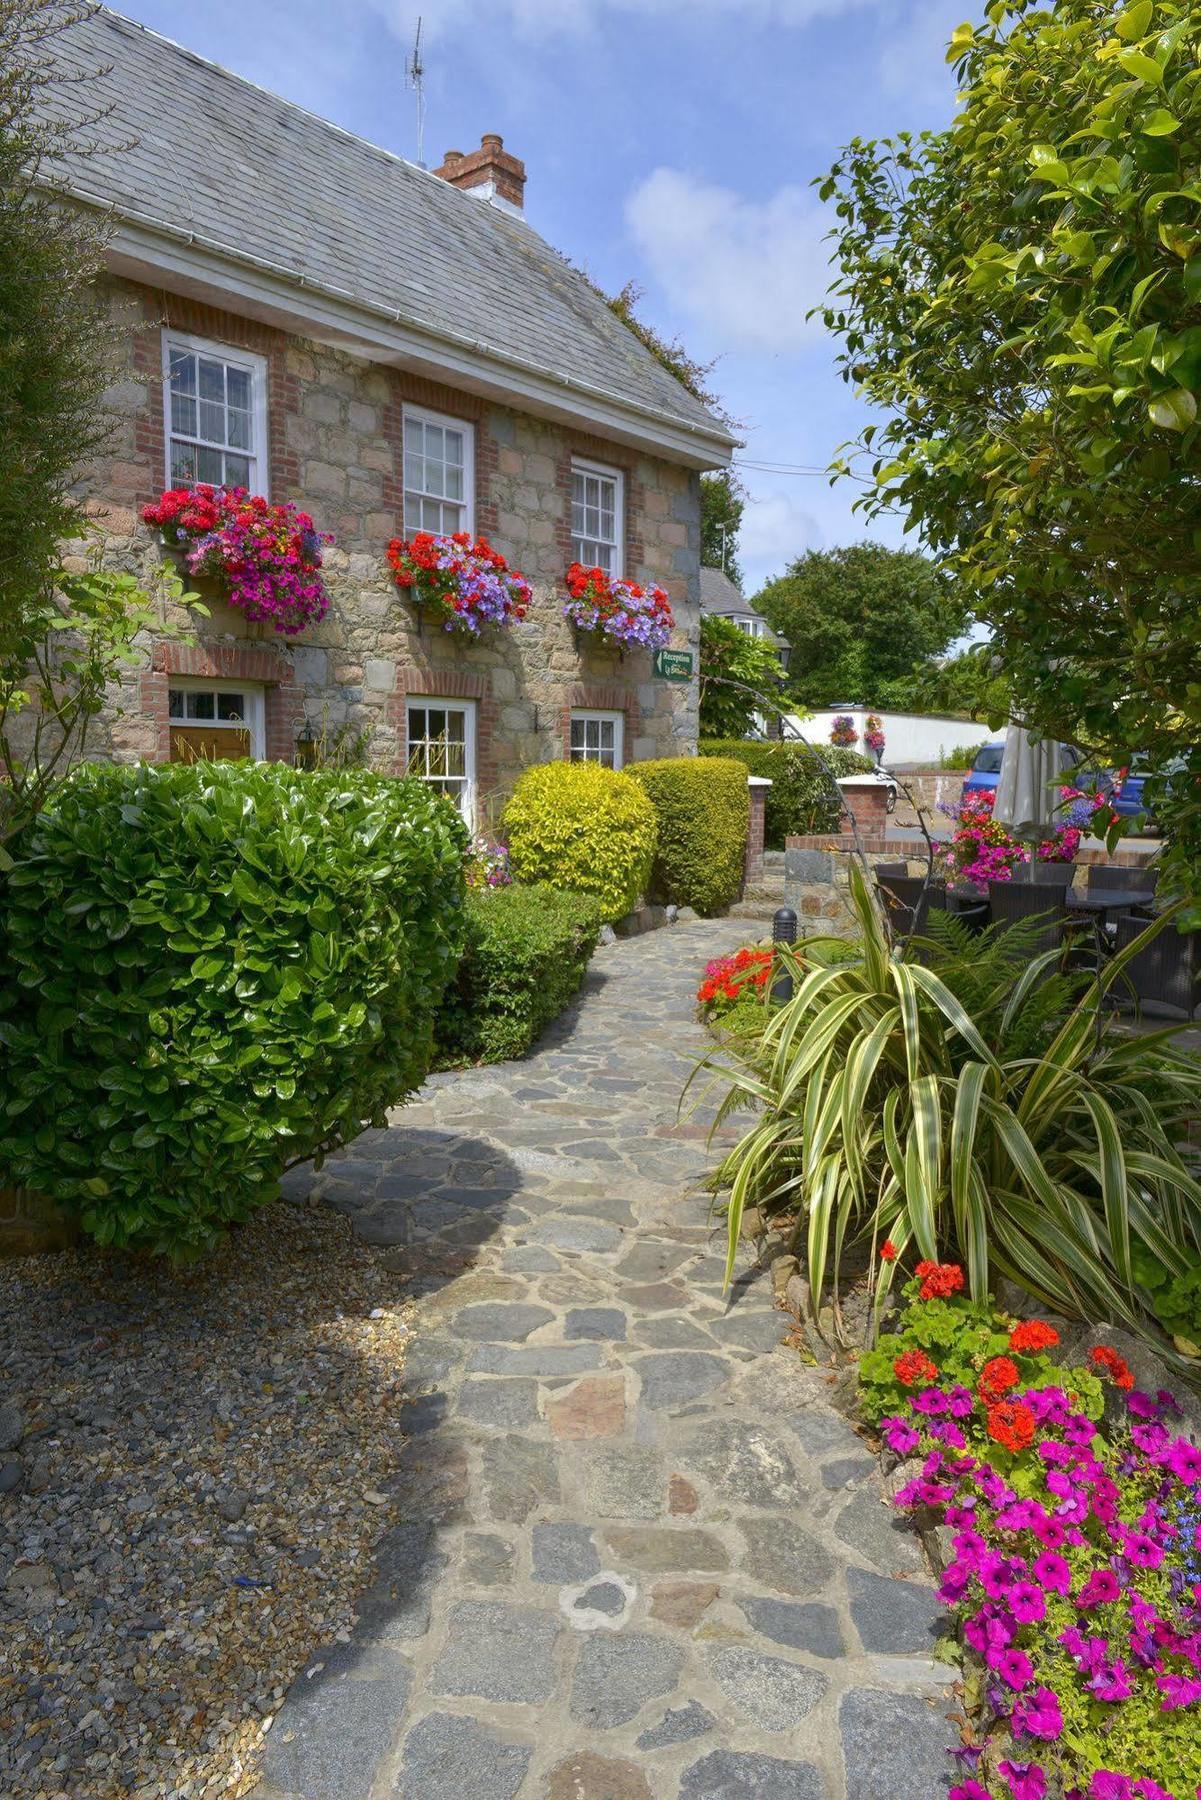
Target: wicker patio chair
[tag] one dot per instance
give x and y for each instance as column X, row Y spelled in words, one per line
column 1014, row 903
column 1165, row 975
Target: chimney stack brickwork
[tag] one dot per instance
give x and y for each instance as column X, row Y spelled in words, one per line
column 490, row 167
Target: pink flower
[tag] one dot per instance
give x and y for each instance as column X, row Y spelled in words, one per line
column 1100, row 1588
column 1039, row 1714
column 1184, row 1460
column 1106, row 1785
column 1178, row 1691
column 1027, row 1781
column 1053, row 1572
column 969, row 1790
column 1013, row 1666
column 1027, row 1603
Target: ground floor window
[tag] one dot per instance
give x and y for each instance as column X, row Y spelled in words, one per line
column 215, row 721
column 442, row 748
column 598, row 737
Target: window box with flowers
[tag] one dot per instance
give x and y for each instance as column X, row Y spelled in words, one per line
column 620, row 615
column 267, row 558
column 465, row 586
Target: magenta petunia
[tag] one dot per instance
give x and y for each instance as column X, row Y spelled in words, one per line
column 1039, row 1714
column 1013, row 1666
column 1053, row 1572
column 1027, row 1781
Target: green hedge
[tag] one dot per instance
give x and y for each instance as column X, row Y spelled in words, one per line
column 585, row 829
column 799, row 799
column 208, row 971
column 528, row 949
column 703, row 809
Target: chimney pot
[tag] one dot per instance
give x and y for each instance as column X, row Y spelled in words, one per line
column 490, row 172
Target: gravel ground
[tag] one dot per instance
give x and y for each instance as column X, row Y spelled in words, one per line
column 193, row 1475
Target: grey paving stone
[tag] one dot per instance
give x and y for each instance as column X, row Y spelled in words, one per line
column 407, row 1566
column 662, row 1550
column 674, row 1377
column 894, row 1617
column 847, row 1471
column 340, row 1721
column 488, row 1560
column 625, row 1483
column 671, row 1332
column 679, row 1725
column 603, row 1597
column 747, row 1775
column 446, row 1756
column 542, row 1361
column 653, row 1258
column 616, row 1676
column 509, row 1405
column 519, row 1476
column 877, row 1531
column 605, row 1323
column 782, row 1554
column 529, row 1260
column 498, row 1652
column 761, row 1330
column 747, row 1462
column 498, row 1323
column 563, row 1553
column 578, row 1234
column 771, row 1693
column 894, row 1744
column 801, row 1625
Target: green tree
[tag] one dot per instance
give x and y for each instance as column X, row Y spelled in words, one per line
column 1022, row 294
column 723, row 499
column 56, row 342
column 858, row 617
column 970, row 685
column 740, row 676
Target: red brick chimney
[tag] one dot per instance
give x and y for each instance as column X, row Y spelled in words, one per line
column 490, row 172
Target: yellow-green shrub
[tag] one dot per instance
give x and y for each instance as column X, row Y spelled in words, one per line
column 703, row 808
column 584, row 828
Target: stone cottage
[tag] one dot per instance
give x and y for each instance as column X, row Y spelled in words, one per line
column 393, row 350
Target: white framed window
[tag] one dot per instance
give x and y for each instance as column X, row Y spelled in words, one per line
column 441, row 737
column 756, row 628
column 598, row 737
column 597, row 516
column 215, row 721
column 215, row 401
column 439, row 473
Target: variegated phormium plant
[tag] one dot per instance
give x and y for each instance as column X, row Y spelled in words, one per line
column 976, row 1104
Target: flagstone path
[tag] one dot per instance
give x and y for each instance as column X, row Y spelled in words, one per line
column 641, row 1555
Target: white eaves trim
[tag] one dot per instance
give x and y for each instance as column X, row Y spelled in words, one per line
column 149, row 250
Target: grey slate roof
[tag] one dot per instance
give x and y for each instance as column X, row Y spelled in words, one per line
column 245, row 170
column 719, row 595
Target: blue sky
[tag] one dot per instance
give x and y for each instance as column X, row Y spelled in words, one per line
column 671, row 142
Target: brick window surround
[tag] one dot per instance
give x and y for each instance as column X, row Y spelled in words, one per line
column 614, row 456
column 448, row 684
column 283, row 701
column 601, row 697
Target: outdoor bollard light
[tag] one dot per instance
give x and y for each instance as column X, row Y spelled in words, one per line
column 783, row 931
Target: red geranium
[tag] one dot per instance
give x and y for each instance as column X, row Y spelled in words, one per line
column 888, row 1251
column 997, row 1377
column 465, row 585
column 939, row 1280
column 914, row 1367
column 1012, row 1425
column 268, row 556
column 1031, row 1336
column 1114, row 1365
column 618, row 612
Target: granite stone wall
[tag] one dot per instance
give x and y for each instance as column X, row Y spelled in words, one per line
column 335, row 434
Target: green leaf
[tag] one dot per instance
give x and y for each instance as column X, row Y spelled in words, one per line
column 1141, row 66
column 1175, row 411
column 1160, row 123
column 1133, row 23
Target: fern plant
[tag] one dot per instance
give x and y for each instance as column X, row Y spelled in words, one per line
column 977, row 1105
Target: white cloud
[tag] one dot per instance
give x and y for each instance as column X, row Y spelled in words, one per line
column 775, row 527
column 745, row 271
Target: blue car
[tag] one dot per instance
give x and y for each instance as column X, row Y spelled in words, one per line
column 1127, row 801
column 985, row 772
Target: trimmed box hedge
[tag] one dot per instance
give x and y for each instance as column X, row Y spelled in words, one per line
column 527, row 953
column 208, row 972
column 703, row 809
column 799, row 800
column 585, row 829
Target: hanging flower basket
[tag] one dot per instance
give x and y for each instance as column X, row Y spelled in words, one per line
column 873, row 735
column 842, row 733
column 267, row 557
column 617, row 613
column 465, row 586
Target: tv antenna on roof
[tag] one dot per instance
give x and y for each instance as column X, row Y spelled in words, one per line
column 415, row 79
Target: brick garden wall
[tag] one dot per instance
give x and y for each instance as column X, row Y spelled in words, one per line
column 335, row 436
